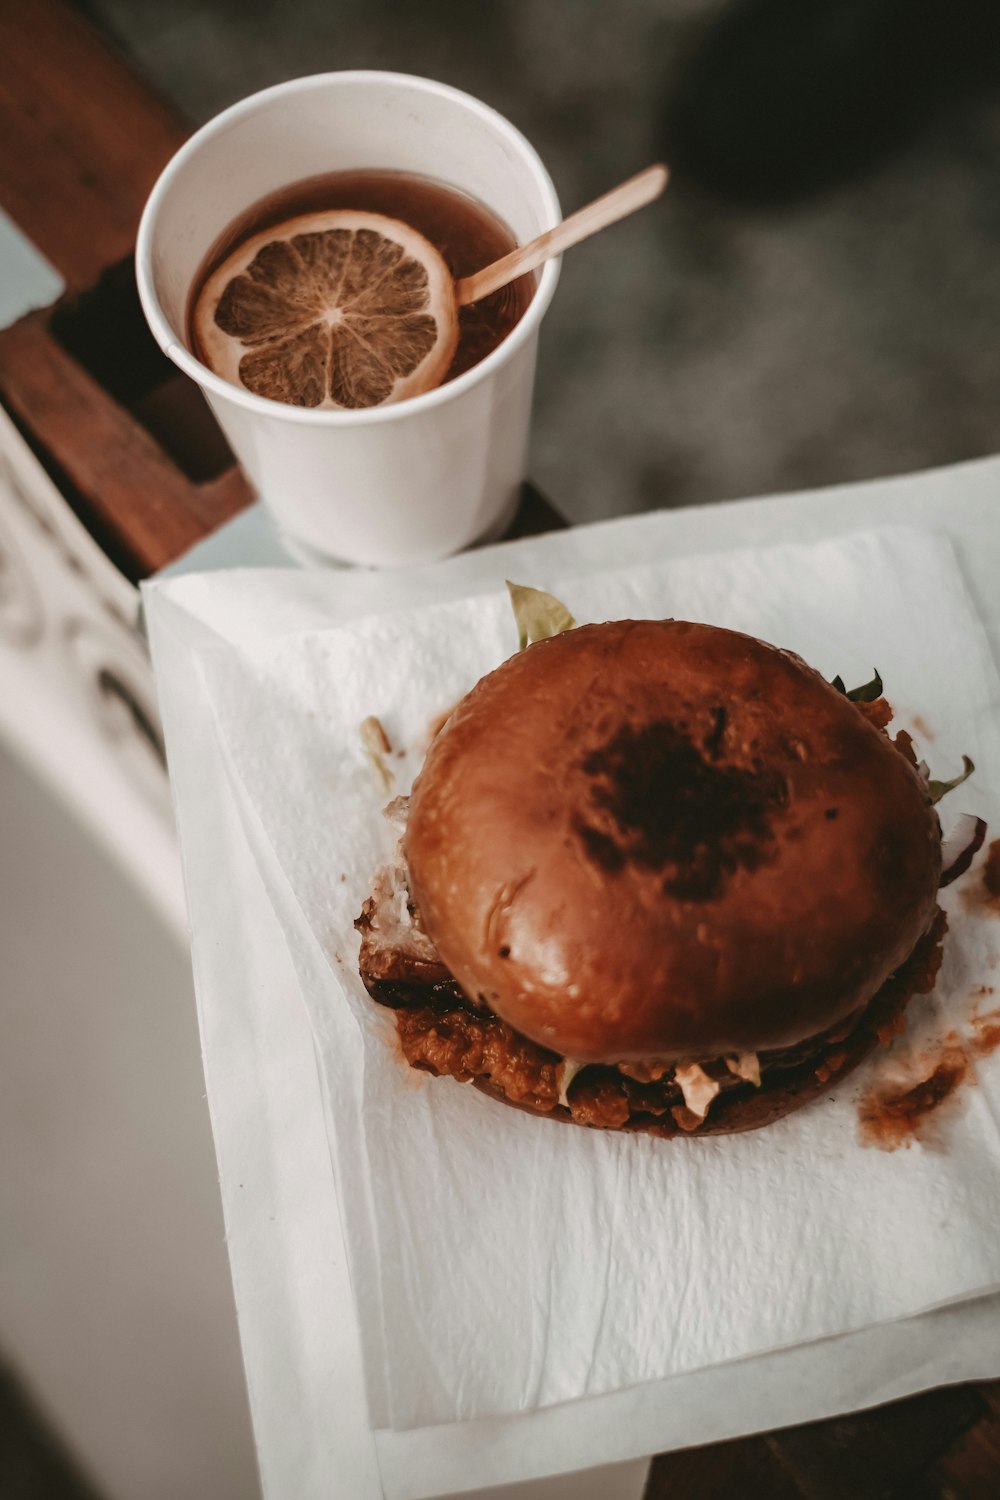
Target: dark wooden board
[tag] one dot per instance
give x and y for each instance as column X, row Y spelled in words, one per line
column 83, row 138
column 938, row 1445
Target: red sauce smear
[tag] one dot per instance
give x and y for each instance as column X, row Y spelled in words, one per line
column 895, row 1115
column 986, row 1029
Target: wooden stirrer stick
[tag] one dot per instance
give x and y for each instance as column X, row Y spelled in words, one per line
column 622, row 200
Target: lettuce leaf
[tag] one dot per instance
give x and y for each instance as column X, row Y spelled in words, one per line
column 866, row 693
column 538, row 614
column 938, row 789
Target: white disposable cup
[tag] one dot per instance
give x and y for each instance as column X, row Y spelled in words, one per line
column 388, row 485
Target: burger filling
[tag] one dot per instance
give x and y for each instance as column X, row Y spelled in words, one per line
column 445, row 1032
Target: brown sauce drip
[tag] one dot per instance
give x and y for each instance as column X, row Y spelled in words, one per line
column 985, row 1029
column 895, row 1115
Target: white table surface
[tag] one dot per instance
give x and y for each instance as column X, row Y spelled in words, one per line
column 292, row 1289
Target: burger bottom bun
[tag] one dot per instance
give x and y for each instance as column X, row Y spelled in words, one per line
column 744, row 1106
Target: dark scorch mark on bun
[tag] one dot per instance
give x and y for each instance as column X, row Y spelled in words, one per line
column 661, row 801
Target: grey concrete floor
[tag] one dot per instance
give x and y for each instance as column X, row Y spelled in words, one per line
column 700, row 351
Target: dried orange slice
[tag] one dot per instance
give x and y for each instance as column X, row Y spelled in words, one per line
column 337, row 310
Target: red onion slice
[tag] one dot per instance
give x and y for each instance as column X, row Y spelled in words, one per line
column 960, row 847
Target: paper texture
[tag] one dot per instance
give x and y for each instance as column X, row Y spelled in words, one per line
column 503, row 1263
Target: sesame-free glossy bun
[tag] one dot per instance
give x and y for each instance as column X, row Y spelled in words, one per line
column 668, row 840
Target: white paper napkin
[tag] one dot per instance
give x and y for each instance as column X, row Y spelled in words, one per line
column 503, row 1263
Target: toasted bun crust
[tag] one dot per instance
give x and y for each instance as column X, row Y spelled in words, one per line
column 662, row 839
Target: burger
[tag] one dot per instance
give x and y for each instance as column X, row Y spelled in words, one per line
column 658, row 876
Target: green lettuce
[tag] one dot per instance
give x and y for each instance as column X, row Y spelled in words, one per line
column 937, row 789
column 866, row 693
column 538, row 614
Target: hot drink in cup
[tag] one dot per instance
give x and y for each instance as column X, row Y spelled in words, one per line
column 368, row 437
column 337, row 293
column 353, row 267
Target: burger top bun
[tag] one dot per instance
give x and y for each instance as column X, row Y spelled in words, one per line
column 656, row 839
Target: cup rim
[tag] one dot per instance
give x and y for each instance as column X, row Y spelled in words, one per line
column 412, row 406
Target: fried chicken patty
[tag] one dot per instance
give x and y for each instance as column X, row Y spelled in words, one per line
column 443, row 1032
